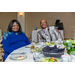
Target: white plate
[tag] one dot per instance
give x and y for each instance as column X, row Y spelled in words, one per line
column 18, row 56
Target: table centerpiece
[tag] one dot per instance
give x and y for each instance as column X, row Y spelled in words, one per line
column 69, row 45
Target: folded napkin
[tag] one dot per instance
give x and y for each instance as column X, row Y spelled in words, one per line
column 52, row 49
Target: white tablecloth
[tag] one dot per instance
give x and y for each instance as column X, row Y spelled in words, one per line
column 28, row 53
column 34, row 34
column 22, row 49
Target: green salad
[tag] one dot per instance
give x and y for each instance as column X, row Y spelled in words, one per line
column 52, row 59
column 49, row 43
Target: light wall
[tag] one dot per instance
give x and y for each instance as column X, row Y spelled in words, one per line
column 21, row 19
column 5, row 18
column 33, row 20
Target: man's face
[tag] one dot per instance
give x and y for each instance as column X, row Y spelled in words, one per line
column 43, row 24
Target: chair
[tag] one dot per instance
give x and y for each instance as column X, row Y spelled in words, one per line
column 34, row 35
column 1, row 48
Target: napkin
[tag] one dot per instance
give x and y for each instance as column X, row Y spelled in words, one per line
column 53, row 49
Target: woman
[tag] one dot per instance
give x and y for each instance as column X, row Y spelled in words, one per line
column 14, row 38
column 47, row 34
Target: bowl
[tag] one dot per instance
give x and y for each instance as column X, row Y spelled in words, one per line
column 56, row 55
column 53, row 51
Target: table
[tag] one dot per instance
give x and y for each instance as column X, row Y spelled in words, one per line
column 28, row 53
column 22, row 49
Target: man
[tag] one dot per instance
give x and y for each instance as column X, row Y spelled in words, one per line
column 47, row 34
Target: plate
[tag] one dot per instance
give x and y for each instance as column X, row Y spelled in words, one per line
column 18, row 56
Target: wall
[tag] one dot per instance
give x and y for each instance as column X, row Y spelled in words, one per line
column 21, row 19
column 5, row 18
column 33, row 20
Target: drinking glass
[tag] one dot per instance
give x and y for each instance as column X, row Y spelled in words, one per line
column 37, row 56
column 73, row 56
column 32, row 44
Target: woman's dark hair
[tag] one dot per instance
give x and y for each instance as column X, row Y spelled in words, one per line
column 11, row 24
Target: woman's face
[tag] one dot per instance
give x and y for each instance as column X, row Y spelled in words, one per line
column 44, row 24
column 15, row 27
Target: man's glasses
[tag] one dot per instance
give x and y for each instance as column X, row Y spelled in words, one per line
column 42, row 22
